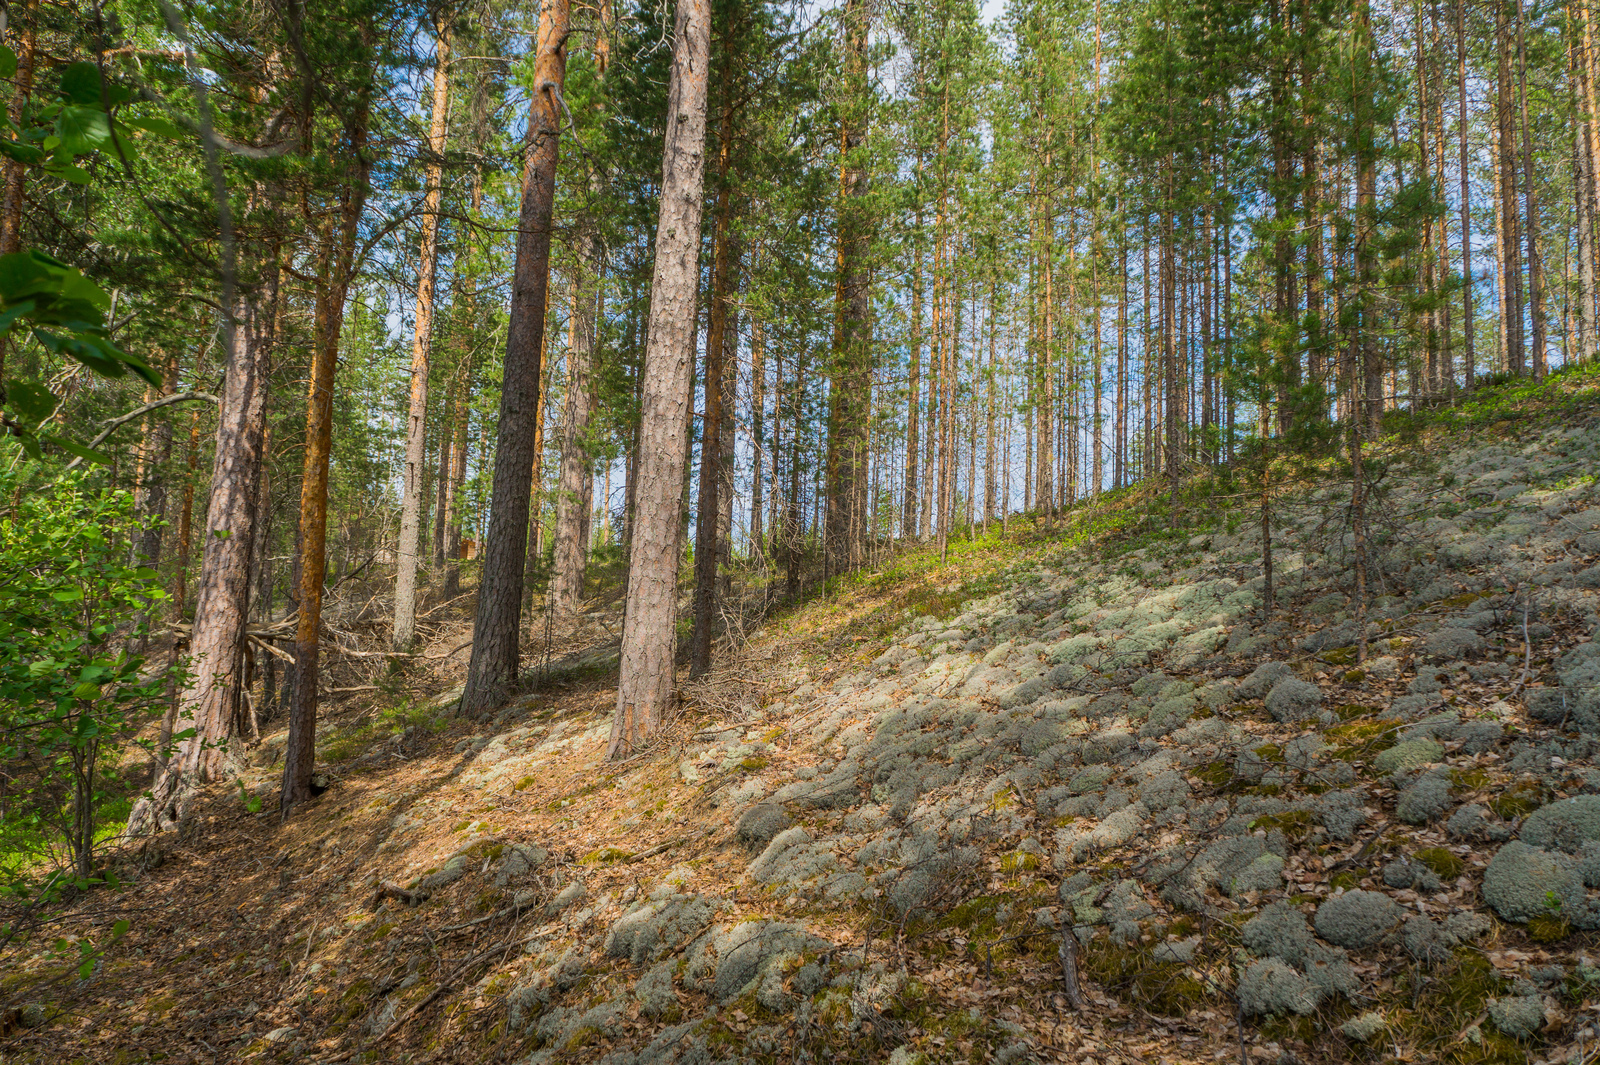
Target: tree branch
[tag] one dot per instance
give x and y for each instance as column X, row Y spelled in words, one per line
column 156, row 404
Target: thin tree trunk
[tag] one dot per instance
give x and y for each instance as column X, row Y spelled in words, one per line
column 709, row 507
column 1583, row 183
column 646, row 689
column 466, row 280
column 16, row 171
column 909, row 525
column 1120, row 432
column 850, row 392
column 222, row 599
column 730, row 398
column 492, row 669
column 572, row 548
column 758, row 443
column 989, row 485
column 180, row 573
column 1469, row 357
column 1530, row 200
column 405, row 581
column 1513, row 359
column 300, row 749
column 441, row 481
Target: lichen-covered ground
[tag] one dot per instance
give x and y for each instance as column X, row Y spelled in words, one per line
column 868, row 831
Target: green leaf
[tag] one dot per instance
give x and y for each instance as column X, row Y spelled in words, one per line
column 119, row 929
column 30, row 154
column 8, row 62
column 159, row 126
column 83, row 451
column 67, row 595
column 82, row 129
column 10, row 316
column 67, row 172
column 30, row 399
column 80, row 83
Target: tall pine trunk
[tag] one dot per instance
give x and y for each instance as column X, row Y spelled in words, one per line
column 410, row 544
column 645, row 691
column 708, row 507
column 495, row 648
column 300, row 749
column 572, row 548
column 1469, row 356
column 850, row 385
column 222, row 599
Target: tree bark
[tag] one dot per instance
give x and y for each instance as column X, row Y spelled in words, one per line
column 410, row 545
column 646, row 689
column 1530, row 201
column 576, row 488
column 730, row 421
column 758, row 443
column 909, row 525
column 1583, row 159
column 222, row 599
column 299, row 755
column 493, row 667
column 441, row 481
column 708, row 507
column 461, row 416
column 1469, row 357
column 572, row 548
column 16, row 172
column 850, row 385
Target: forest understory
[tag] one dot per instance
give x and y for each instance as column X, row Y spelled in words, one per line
column 868, row 830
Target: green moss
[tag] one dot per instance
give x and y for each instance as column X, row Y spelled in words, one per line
column 1360, row 738
column 975, row 916
column 1296, row 825
column 753, row 765
column 1019, row 861
column 583, row 1037
column 1463, row 781
column 1347, row 879
column 1548, row 928
column 1355, row 676
column 1292, row 1026
column 606, row 855
column 1429, row 1010
column 1132, row 973
column 1518, row 800
column 1218, row 774
column 1442, row 862
column 1340, row 656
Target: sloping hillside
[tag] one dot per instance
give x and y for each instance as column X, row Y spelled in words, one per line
column 869, row 831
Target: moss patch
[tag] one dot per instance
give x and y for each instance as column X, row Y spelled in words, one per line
column 1518, row 800
column 1132, row 973
column 1446, row 864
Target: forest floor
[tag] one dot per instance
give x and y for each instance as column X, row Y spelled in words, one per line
column 867, row 834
